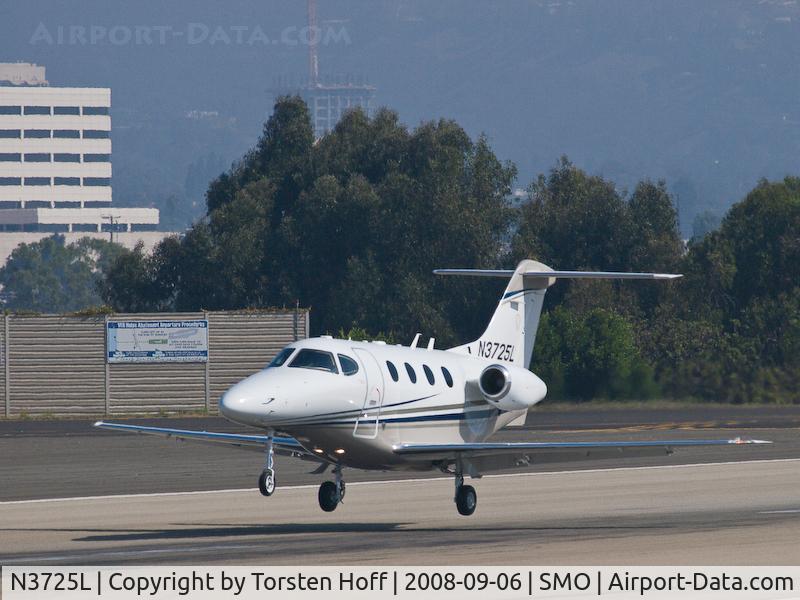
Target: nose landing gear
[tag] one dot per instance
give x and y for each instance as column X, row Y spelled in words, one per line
column 331, row 493
column 266, row 481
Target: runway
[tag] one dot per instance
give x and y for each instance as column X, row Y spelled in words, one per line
column 737, row 505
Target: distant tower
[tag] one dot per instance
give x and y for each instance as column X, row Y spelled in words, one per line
column 313, row 56
column 328, row 101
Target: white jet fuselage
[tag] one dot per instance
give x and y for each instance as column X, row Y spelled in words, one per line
column 373, row 406
column 398, row 395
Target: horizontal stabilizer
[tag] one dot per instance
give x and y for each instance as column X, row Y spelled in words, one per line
column 505, row 273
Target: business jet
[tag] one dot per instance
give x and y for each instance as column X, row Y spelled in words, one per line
column 368, row 405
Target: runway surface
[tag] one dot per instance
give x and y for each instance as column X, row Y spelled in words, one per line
column 740, row 506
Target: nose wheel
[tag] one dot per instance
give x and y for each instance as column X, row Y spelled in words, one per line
column 266, row 481
column 331, row 493
column 466, row 498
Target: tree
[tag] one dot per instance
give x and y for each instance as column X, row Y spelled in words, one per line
column 53, row 276
column 591, row 355
column 580, row 221
column 372, row 206
column 353, row 224
column 575, row 221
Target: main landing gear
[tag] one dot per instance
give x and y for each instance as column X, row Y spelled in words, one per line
column 466, row 499
column 331, row 493
column 266, row 481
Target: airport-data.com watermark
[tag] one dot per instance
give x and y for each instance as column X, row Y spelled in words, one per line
column 192, row 34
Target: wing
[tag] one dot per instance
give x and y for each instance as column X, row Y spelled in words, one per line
column 282, row 445
column 498, row 455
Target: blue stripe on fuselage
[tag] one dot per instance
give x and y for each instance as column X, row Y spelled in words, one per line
column 418, row 419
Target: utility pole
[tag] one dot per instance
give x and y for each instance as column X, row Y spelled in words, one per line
column 112, row 220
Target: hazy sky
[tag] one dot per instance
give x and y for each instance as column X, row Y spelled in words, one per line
column 703, row 93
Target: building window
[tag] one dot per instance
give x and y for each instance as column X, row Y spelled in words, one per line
column 117, row 227
column 411, row 373
column 37, row 133
column 66, row 133
column 52, row 227
column 95, row 110
column 448, row 379
column 37, row 181
column 38, row 157
column 37, row 110
column 67, row 181
column 10, row 204
column 428, row 374
column 96, row 158
column 10, row 181
column 66, row 110
column 97, row 203
column 84, row 227
column 10, row 133
column 97, row 181
column 37, row 204
column 10, row 157
column 67, row 157
column 95, row 134
column 67, row 204
column 144, row 227
column 10, row 110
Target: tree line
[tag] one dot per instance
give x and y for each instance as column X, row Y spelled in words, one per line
column 353, row 224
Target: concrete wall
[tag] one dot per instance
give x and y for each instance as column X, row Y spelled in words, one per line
column 56, row 364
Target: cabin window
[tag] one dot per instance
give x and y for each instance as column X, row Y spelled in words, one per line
column 349, row 366
column 314, row 359
column 392, row 371
column 411, row 374
column 281, row 357
column 448, row 379
column 428, row 374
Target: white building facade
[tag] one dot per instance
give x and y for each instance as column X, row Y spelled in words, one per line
column 55, row 167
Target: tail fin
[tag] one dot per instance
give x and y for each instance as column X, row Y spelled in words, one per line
column 511, row 332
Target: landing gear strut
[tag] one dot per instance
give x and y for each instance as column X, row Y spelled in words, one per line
column 331, row 493
column 466, row 499
column 266, row 481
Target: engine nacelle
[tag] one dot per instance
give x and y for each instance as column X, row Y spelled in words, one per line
column 511, row 388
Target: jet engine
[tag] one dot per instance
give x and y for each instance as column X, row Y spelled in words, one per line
column 511, row 388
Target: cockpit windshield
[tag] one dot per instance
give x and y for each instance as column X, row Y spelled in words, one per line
column 281, row 358
column 314, row 359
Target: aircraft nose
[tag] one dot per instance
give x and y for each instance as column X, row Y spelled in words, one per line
column 240, row 404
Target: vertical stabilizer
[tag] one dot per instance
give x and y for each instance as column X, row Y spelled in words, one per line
column 511, row 333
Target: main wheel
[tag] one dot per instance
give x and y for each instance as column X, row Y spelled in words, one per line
column 266, row 482
column 328, row 496
column 466, row 500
